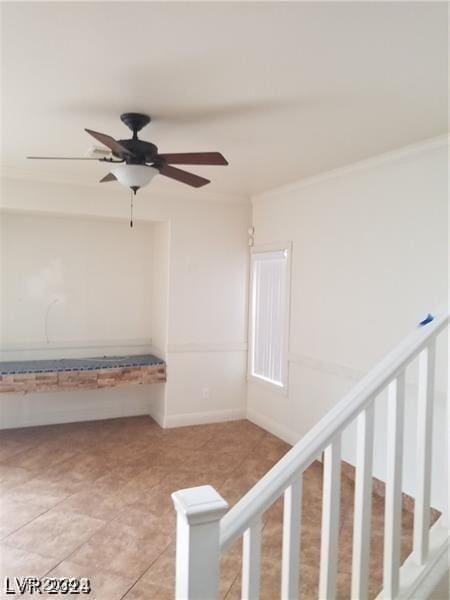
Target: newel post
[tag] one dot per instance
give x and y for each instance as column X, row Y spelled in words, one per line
column 199, row 511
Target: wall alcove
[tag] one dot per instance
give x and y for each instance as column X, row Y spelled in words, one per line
column 77, row 287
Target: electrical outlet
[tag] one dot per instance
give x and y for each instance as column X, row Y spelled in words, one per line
column 205, row 393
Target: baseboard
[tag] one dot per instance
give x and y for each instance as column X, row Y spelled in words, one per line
column 287, row 435
column 202, row 418
column 440, row 580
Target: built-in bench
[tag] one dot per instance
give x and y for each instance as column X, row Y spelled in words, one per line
column 27, row 376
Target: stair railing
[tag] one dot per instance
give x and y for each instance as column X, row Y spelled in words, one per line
column 206, row 528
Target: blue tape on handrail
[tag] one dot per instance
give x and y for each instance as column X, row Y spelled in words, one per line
column 426, row 320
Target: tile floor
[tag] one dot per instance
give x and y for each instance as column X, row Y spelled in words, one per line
column 93, row 500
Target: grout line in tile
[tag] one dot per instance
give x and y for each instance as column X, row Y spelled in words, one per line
column 37, row 517
column 3, row 540
column 146, row 571
column 78, row 547
column 5, row 543
column 227, row 593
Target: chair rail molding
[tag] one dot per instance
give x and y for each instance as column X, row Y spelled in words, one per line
column 186, row 347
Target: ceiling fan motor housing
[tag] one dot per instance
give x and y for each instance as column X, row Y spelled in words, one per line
column 144, row 152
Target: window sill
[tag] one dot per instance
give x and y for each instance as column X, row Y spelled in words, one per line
column 280, row 390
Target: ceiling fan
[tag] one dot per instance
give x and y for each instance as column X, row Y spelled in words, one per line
column 135, row 162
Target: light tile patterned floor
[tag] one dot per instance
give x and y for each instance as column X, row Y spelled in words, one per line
column 93, row 500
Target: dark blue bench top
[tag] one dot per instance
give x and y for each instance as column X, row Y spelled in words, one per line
column 77, row 364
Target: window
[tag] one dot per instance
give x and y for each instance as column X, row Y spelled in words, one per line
column 269, row 314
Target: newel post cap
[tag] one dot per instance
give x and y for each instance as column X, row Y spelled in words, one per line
column 201, row 504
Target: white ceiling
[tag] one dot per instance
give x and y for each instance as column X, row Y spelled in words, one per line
column 284, row 90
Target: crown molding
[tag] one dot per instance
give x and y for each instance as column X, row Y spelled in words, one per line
column 23, row 174
column 361, row 165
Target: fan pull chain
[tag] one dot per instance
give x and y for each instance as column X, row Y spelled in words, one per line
column 131, row 208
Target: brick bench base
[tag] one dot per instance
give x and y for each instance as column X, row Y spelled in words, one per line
column 81, row 380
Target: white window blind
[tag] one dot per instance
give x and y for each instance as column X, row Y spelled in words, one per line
column 269, row 315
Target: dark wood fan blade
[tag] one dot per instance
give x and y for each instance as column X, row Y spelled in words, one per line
column 194, row 158
column 183, row 176
column 109, row 142
column 109, row 177
column 61, row 158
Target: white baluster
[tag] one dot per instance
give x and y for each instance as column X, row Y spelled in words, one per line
column 291, row 540
column 251, row 561
column 423, row 461
column 199, row 511
column 363, row 504
column 330, row 520
column 393, row 500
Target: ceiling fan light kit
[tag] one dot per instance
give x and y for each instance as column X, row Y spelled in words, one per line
column 133, row 176
column 135, row 162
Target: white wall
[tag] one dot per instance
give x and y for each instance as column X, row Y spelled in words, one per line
column 199, row 318
column 369, row 257
column 73, row 281
column 207, row 308
column 159, row 305
column 160, row 312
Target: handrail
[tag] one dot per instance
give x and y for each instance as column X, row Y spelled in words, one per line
column 273, row 484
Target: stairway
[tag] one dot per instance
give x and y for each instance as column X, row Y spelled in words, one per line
column 309, row 531
column 309, row 563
